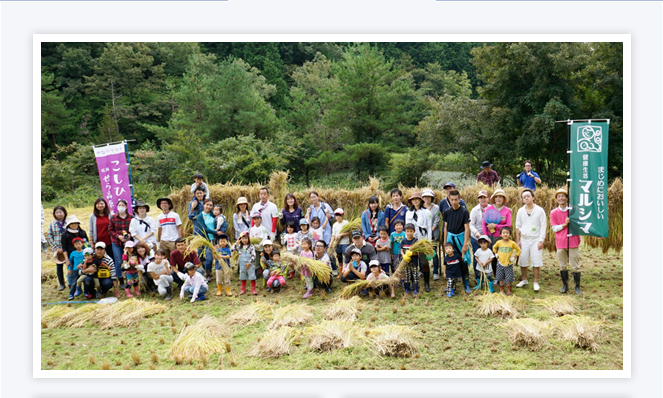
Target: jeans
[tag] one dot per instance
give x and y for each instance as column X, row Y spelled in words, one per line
column 351, row 277
column 190, row 289
column 88, row 286
column 266, row 273
column 209, row 260
column 340, row 249
column 117, row 258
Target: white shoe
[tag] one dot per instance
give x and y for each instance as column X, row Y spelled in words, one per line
column 335, row 272
column 436, row 277
column 522, row 283
column 536, row 287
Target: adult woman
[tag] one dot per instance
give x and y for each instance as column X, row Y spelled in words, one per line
column 241, row 218
column 203, row 225
column 72, row 230
column 119, row 232
column 145, row 256
column 429, row 204
column 55, row 230
column 422, row 220
column 498, row 202
column 320, row 254
column 321, row 210
column 99, row 225
column 371, row 219
column 291, row 211
column 143, row 228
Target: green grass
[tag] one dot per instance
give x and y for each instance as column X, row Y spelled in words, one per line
column 454, row 336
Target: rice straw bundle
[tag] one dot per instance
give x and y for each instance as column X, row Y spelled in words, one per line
column 421, row 247
column 203, row 338
column 349, row 227
column 615, row 239
column 79, row 317
column 255, row 241
column 317, row 268
column 196, row 242
column 142, row 310
column 275, row 343
column 330, row 335
column 393, row 340
column 526, row 332
column 343, row 310
column 354, row 288
column 48, row 271
column 500, row 305
column 582, row 331
column 557, row 305
column 107, row 314
column 250, row 314
column 52, row 315
column 291, row 315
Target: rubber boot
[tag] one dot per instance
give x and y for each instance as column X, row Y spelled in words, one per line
column 508, row 290
column 219, row 290
column 127, row 292
column 228, row 292
column 407, row 288
column 491, row 287
column 242, row 290
column 565, row 281
column 169, row 293
column 416, row 289
column 502, row 289
column 453, row 291
column 576, row 279
column 253, row 288
column 120, row 280
column 201, row 297
column 60, row 272
column 478, row 286
column 450, row 293
column 427, row 281
column 466, row 284
column 308, row 293
column 136, row 290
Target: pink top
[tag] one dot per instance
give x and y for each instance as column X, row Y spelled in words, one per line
column 506, row 221
column 304, row 270
column 557, row 217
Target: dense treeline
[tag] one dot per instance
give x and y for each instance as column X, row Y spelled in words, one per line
column 242, row 110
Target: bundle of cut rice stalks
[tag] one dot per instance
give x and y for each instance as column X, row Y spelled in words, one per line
column 422, row 247
column 330, row 335
column 48, row 271
column 526, row 332
column 582, row 331
column 558, row 305
column 143, row 310
column 52, row 316
column 343, row 310
column 349, row 227
column 393, row 340
column 276, row 343
column 250, row 314
column 125, row 313
column 291, row 315
column 196, row 242
column 203, row 338
column 499, row 305
column 78, row 317
column 353, row 289
column 317, row 268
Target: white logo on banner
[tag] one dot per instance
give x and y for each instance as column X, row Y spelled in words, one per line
column 590, row 138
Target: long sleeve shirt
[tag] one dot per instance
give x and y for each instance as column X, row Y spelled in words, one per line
column 476, row 221
column 117, row 226
column 196, row 281
column 54, row 236
column 532, row 227
column 505, row 221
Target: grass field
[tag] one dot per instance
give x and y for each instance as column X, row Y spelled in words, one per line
column 453, row 335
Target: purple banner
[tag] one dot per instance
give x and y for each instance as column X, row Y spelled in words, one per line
column 113, row 175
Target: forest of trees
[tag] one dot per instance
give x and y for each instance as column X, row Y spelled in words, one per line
column 238, row 111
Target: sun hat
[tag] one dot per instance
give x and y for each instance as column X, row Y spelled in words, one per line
column 71, row 220
column 130, row 244
column 483, row 192
column 256, row 214
column 140, row 203
column 499, row 192
column 449, row 184
column 561, row 190
column 484, row 237
column 170, row 203
column 428, row 192
column 373, row 263
column 356, row 233
column 339, row 211
column 242, row 200
column 415, row 194
column 486, row 164
column 267, row 242
column 100, row 244
column 88, row 250
column 303, row 221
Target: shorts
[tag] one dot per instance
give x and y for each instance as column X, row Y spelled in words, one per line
column 131, row 277
column 504, row 274
column 531, row 252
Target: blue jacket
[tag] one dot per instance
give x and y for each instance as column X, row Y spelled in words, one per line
column 366, row 223
column 193, row 213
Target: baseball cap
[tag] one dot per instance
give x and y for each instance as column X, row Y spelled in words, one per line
column 267, row 242
column 303, row 222
column 339, row 211
column 255, row 215
column 356, row 233
column 88, row 250
column 355, row 250
column 130, row 244
column 100, row 244
column 373, row 263
column 189, row 265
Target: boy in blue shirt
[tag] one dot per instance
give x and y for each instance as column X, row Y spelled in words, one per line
column 222, row 274
column 396, row 239
column 75, row 259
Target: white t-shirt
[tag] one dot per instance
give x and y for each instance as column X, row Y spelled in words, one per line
column 269, row 210
column 317, row 234
column 259, row 232
column 168, row 224
column 336, row 231
column 158, row 268
column 483, row 256
column 136, row 228
column 372, row 277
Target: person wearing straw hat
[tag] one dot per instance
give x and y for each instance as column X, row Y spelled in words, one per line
column 54, row 236
column 169, row 224
column 429, row 204
column 531, row 226
column 457, row 232
column 143, row 228
column 487, row 175
column 567, row 246
column 476, row 229
column 241, row 218
column 422, row 220
column 498, row 201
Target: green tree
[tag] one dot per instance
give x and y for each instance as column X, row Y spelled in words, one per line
column 57, row 126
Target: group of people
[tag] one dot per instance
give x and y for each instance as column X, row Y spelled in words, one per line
column 124, row 248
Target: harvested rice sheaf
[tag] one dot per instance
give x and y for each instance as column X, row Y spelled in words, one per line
column 500, row 305
column 52, row 316
column 203, row 338
column 125, row 313
column 317, row 268
column 343, row 310
column 582, row 331
column 198, row 242
column 557, row 305
column 353, row 289
column 393, row 340
column 79, row 317
column 48, row 271
column 276, row 343
column 291, row 315
column 526, row 332
column 250, row 314
column 330, row 335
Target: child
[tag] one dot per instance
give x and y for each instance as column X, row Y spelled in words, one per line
column 452, row 271
column 75, row 259
column 303, row 232
column 383, row 247
column 289, row 238
column 198, row 182
column 395, row 211
column 194, row 283
column 219, row 219
column 505, row 249
column 317, row 229
column 129, row 263
column 377, row 273
column 483, row 259
column 73, row 273
column 276, row 272
column 395, row 240
column 344, row 238
column 306, row 273
column 159, row 270
column 356, row 269
column 412, row 267
column 222, row 276
column 85, row 269
column 247, row 257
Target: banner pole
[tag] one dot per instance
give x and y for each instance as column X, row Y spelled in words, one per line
column 568, row 205
column 131, row 183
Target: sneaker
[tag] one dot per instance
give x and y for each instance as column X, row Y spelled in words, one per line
column 522, row 283
column 88, row 296
column 71, row 297
column 334, row 272
column 536, row 286
column 436, row 277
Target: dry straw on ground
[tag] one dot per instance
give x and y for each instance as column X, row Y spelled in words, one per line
column 354, row 288
column 250, row 314
column 330, row 335
column 582, row 331
column 317, row 268
column 526, row 332
column 125, row 313
column 203, row 338
column 557, row 305
column 291, row 315
column 393, row 340
column 276, row 343
column 79, row 317
column 500, row 305
column 52, row 316
column 48, row 272
column 342, row 310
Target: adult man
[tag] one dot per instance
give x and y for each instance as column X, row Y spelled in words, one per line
column 476, row 219
column 101, row 260
column 178, row 259
column 488, row 176
column 567, row 246
column 368, row 252
column 528, row 178
column 457, row 231
column 169, row 226
column 445, row 203
column 268, row 212
column 530, row 235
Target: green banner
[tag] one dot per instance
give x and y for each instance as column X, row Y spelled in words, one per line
column 589, row 179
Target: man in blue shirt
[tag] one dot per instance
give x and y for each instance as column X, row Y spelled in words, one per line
column 528, row 178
